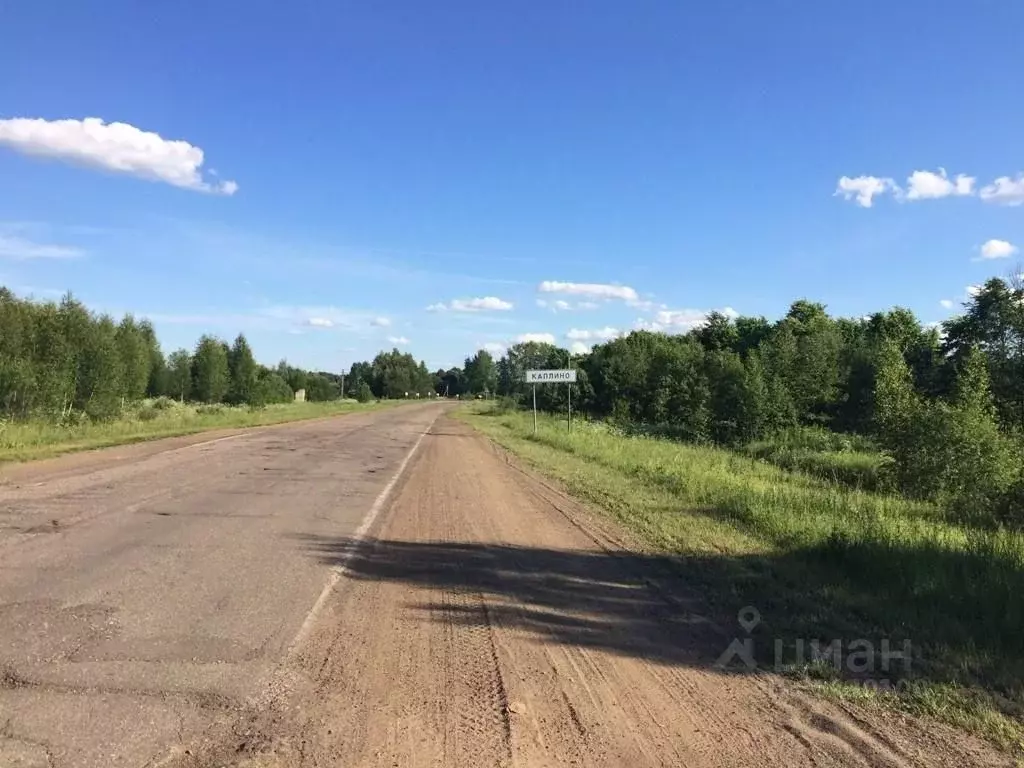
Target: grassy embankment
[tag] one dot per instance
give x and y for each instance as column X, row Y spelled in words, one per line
column 820, row 561
column 27, row 440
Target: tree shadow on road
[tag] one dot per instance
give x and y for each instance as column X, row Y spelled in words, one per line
column 684, row 611
column 600, row 600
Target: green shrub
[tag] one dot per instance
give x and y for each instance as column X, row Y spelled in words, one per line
column 148, row 413
column 210, row 409
column 164, row 404
column 363, row 392
column 958, row 457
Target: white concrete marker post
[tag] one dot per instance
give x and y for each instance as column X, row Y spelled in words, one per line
column 552, row 376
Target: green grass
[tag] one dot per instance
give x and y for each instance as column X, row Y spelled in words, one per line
column 819, row 560
column 27, row 440
column 847, row 459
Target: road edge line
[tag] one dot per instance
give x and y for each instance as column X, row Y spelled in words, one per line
column 338, row 570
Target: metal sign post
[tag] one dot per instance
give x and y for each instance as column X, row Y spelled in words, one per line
column 562, row 376
column 535, row 409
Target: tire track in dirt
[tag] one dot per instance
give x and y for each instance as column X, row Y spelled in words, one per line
column 476, row 688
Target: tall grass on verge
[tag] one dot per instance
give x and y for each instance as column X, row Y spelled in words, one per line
column 852, row 460
column 820, row 561
column 162, row 417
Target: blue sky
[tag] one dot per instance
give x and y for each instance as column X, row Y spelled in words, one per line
column 644, row 163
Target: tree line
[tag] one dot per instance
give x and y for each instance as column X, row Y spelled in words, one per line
column 945, row 403
column 58, row 360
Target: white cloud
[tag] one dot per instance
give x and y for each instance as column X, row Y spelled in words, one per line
column 494, row 348
column 591, row 290
column 947, row 303
column 974, row 290
column 398, row 340
column 484, row 303
column 928, row 185
column 998, row 249
column 117, row 147
column 540, row 338
column 864, row 189
column 561, row 305
column 20, row 249
column 681, row 320
column 600, row 334
column 320, row 322
column 579, row 348
column 1005, row 191
column 381, row 322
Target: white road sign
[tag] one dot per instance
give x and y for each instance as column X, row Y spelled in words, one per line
column 551, row 376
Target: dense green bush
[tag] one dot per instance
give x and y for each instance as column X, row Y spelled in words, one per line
column 363, row 392
column 148, row 413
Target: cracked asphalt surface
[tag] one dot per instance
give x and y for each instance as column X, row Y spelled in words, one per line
column 147, row 588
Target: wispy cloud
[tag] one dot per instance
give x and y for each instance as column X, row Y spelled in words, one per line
column 114, row 147
column 482, row 304
column 598, row 334
column 561, row 305
column 272, row 318
column 289, row 257
column 319, row 322
column 399, row 341
column 23, row 249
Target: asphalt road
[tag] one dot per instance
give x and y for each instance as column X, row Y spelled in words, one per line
column 147, row 588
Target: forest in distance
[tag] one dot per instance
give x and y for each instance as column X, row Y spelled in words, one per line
column 61, row 362
column 930, row 412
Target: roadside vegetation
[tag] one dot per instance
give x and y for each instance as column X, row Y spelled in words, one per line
column 152, row 419
column 71, row 379
column 819, row 560
column 849, row 478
